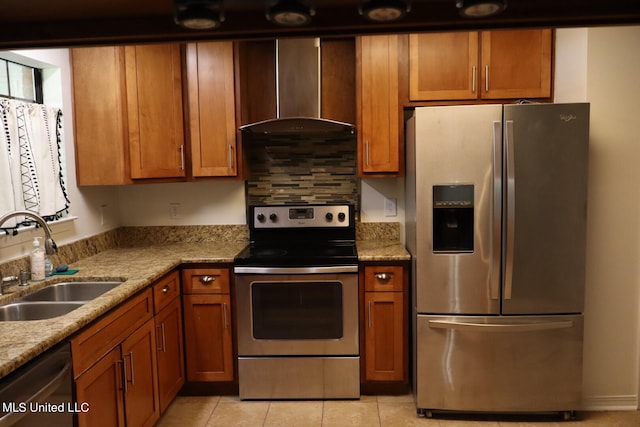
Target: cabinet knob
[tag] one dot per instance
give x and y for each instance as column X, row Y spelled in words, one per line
column 207, row 279
column 166, row 289
column 384, row 276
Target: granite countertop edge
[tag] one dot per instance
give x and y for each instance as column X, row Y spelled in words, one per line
column 137, row 267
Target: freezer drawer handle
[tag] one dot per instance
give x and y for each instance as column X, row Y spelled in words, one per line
column 493, row 327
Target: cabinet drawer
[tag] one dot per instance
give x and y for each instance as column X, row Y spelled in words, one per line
column 383, row 278
column 206, row 281
column 109, row 331
column 165, row 290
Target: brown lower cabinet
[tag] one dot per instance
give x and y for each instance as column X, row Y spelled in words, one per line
column 207, row 325
column 170, row 348
column 115, row 367
column 129, row 364
column 384, row 317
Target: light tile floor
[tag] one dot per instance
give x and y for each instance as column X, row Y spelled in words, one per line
column 369, row 411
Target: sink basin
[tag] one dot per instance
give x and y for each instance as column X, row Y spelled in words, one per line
column 71, row 291
column 36, row 310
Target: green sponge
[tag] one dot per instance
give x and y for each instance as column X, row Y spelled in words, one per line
column 62, row 273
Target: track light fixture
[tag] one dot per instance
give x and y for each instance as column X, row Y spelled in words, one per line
column 480, row 8
column 289, row 13
column 198, row 14
column 384, row 10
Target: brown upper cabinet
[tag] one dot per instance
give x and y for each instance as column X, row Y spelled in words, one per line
column 155, row 114
column 100, row 116
column 485, row 65
column 212, row 109
column 379, row 95
column 130, row 108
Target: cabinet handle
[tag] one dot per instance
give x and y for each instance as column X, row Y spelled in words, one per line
column 384, row 276
column 486, row 78
column 366, row 152
column 125, row 370
column 474, row 78
column 182, row 157
column 166, row 289
column 123, row 373
column 230, row 153
column 369, row 314
column 163, row 339
column 224, row 314
column 207, row 279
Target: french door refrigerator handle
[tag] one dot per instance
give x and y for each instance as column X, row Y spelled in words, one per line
column 492, row 327
column 511, row 209
column 496, row 209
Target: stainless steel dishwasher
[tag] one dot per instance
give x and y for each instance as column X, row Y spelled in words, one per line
column 40, row 392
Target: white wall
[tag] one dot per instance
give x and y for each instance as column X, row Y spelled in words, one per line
column 601, row 66
column 613, row 256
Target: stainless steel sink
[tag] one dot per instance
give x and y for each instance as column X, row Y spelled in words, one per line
column 71, row 291
column 39, row 310
column 54, row 300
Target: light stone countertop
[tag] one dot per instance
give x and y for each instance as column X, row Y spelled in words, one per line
column 138, row 267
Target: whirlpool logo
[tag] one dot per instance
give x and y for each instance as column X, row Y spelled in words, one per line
column 568, row 117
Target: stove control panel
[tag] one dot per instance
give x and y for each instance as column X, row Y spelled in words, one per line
column 301, row 216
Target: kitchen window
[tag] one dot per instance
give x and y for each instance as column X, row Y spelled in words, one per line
column 32, row 172
column 21, row 82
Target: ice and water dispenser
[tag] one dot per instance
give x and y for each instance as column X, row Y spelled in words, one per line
column 453, row 213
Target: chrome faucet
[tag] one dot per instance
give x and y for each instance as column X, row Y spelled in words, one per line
column 49, row 245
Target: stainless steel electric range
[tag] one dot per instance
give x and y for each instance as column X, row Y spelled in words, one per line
column 297, row 304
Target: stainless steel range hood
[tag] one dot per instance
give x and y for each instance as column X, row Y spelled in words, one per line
column 298, row 93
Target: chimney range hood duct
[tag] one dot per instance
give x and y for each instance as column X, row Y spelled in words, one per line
column 298, row 93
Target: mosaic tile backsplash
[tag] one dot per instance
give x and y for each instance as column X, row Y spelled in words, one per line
column 302, row 170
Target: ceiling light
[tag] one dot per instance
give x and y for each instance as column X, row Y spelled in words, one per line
column 289, row 13
column 384, row 10
column 480, row 8
column 198, row 14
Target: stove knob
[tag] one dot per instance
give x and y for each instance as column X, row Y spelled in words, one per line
column 273, row 217
column 329, row 216
column 261, row 217
column 341, row 216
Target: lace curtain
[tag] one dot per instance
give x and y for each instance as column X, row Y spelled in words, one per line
column 31, row 173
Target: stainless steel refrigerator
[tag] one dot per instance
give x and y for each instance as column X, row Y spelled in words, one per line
column 496, row 224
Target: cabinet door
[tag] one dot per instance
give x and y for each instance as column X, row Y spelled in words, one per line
column 212, row 112
column 101, row 387
column 208, row 339
column 170, row 352
column 141, row 385
column 100, row 116
column 384, row 336
column 516, row 64
column 443, row 66
column 379, row 108
column 154, row 98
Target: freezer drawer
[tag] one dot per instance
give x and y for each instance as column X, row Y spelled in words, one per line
column 499, row 364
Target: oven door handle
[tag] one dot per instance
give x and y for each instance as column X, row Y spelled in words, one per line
column 296, row 270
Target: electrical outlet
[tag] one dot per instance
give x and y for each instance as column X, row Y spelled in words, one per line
column 102, row 209
column 174, row 210
column 390, row 207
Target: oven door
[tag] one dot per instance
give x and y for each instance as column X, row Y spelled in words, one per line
column 297, row 314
